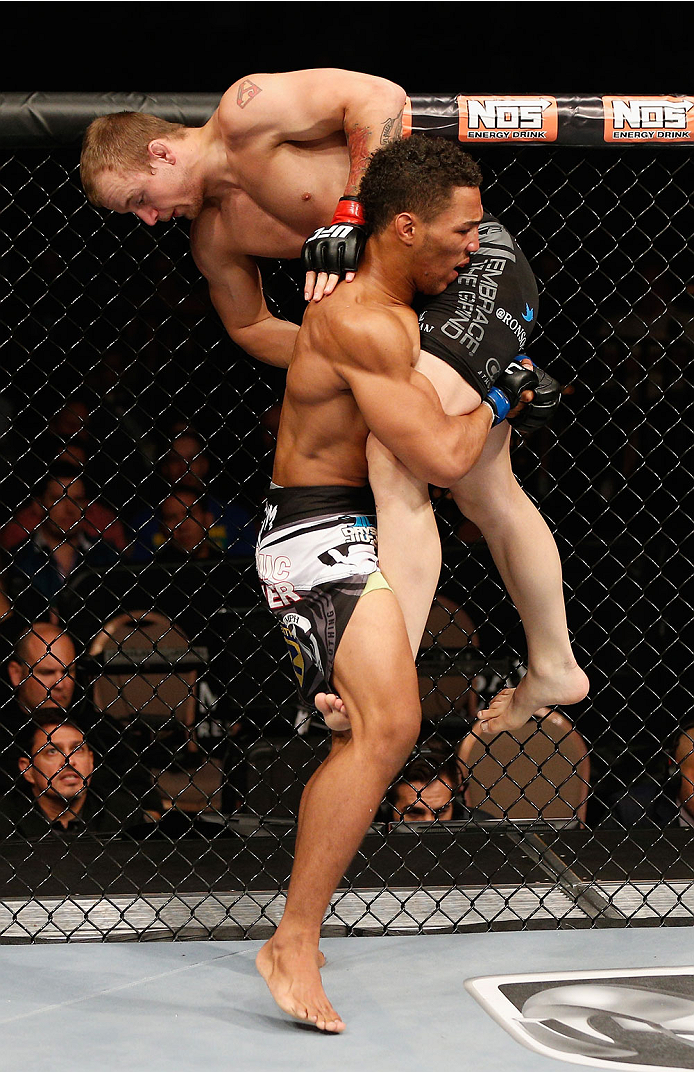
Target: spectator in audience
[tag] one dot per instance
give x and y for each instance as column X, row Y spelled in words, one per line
column 57, row 548
column 85, row 424
column 184, row 528
column 99, row 520
column 684, row 758
column 42, row 673
column 11, row 626
column 428, row 789
column 186, row 464
column 42, row 668
column 57, row 766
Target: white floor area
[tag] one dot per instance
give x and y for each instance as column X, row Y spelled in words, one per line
column 180, row 1007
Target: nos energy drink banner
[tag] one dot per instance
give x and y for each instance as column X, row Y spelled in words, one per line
column 544, row 119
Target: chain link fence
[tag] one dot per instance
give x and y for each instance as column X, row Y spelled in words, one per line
column 137, row 442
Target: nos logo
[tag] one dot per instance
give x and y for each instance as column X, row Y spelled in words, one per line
column 648, row 118
column 507, row 118
column 605, row 1019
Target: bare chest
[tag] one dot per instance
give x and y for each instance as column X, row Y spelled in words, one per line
column 283, row 195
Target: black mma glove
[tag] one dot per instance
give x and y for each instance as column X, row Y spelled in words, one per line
column 508, row 387
column 336, row 249
column 543, row 406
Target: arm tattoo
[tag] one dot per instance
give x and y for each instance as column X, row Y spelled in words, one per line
column 392, row 129
column 359, row 153
column 246, row 92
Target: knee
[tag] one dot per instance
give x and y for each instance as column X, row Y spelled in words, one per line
column 496, row 500
column 389, row 739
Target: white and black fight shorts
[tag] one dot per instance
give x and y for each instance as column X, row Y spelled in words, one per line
column 316, row 556
column 484, row 319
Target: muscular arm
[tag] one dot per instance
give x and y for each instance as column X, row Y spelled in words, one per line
column 237, row 295
column 401, row 407
column 305, row 106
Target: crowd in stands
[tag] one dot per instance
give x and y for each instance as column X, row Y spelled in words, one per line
column 104, row 730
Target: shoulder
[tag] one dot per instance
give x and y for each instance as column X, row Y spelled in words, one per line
column 262, row 91
column 369, row 335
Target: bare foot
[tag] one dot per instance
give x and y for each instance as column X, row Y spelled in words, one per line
column 293, row 978
column 535, row 695
column 333, row 710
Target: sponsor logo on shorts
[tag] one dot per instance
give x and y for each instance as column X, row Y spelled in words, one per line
column 631, row 1019
column 268, row 518
column 505, row 118
column 513, row 325
column 274, row 572
column 645, row 119
column 492, row 370
column 359, row 533
column 302, row 645
column 528, row 314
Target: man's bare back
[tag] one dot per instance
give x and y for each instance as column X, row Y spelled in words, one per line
column 266, row 170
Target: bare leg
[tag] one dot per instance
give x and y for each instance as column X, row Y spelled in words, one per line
column 526, row 556
column 521, row 544
column 409, row 546
column 379, row 686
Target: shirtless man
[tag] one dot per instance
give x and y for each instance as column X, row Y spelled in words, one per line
column 261, row 176
column 267, row 169
column 351, row 375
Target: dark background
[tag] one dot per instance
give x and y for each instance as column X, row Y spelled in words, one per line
column 483, row 47
column 584, row 219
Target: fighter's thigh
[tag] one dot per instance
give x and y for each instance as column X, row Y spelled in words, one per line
column 391, row 483
column 491, row 478
column 374, row 671
column 456, row 394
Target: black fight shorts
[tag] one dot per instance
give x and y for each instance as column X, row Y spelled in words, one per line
column 484, row 319
column 316, row 556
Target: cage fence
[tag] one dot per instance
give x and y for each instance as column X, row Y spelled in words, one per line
column 131, row 422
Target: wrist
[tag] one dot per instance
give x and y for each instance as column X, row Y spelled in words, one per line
column 499, row 403
column 349, row 210
column 490, row 408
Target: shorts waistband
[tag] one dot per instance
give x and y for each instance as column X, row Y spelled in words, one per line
column 316, row 500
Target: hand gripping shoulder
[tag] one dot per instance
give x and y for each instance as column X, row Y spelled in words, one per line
column 336, row 249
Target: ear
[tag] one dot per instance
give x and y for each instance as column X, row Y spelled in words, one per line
column 405, row 227
column 15, row 673
column 26, row 768
column 160, row 152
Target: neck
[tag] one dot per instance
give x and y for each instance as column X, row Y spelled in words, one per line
column 209, row 158
column 387, row 269
column 62, row 810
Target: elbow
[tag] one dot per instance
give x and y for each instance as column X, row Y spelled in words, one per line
column 441, row 474
column 449, row 470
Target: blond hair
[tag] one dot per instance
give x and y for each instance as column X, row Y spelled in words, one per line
column 118, row 142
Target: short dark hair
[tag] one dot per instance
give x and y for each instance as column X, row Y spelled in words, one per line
column 39, row 720
column 428, row 765
column 416, row 174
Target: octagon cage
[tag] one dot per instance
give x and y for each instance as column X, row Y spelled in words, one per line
column 124, row 401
